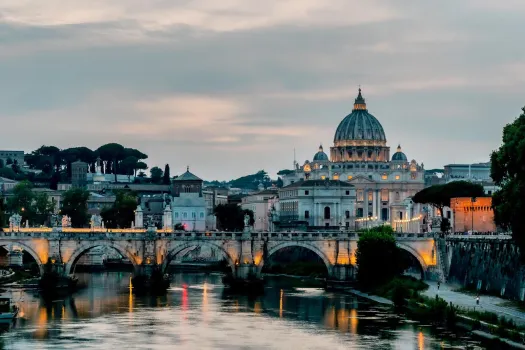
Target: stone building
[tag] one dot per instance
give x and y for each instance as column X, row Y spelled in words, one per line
column 361, row 157
column 12, row 155
column 261, row 204
column 188, row 205
column 472, row 215
column 79, row 172
column 317, row 204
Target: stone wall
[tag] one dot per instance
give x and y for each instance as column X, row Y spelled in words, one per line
column 490, row 265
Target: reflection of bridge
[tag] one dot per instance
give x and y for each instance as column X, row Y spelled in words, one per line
column 244, row 252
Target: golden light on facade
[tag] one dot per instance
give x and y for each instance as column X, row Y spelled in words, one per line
column 353, row 321
column 281, row 304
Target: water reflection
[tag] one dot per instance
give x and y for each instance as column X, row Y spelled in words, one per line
column 197, row 313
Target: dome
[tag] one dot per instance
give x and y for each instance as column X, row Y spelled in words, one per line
column 359, row 125
column 320, row 156
column 399, row 156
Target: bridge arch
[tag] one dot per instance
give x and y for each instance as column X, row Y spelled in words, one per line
column 30, row 251
column 308, row 246
column 195, row 244
column 84, row 248
column 415, row 254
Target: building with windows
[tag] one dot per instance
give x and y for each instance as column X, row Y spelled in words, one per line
column 11, row 156
column 261, row 204
column 361, row 157
column 468, row 172
column 188, row 205
column 316, row 204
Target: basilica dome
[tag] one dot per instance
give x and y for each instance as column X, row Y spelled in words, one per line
column 399, row 156
column 320, row 156
column 359, row 125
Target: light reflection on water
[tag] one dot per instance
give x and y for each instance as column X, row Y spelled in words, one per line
column 196, row 313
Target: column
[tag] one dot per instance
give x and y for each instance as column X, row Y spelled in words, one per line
column 365, row 207
column 374, row 203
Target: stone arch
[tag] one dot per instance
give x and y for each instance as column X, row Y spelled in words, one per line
column 84, row 248
column 31, row 252
column 416, row 255
column 308, row 246
column 194, row 244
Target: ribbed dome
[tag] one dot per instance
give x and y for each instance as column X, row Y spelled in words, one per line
column 360, row 125
column 320, row 156
column 399, row 156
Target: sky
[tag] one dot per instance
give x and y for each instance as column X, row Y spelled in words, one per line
column 234, row 86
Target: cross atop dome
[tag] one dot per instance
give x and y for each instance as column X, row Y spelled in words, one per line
column 359, row 103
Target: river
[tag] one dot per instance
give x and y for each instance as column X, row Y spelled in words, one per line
column 197, row 313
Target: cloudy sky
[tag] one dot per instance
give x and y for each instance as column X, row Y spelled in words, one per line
column 233, row 86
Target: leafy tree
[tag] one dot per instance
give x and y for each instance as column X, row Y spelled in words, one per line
column 128, row 166
column 279, row 182
column 8, row 173
column 122, row 213
column 43, row 207
column 156, row 175
column 230, row 217
column 21, row 202
column 439, row 196
column 378, row 258
column 252, row 181
column 9, row 161
column 508, row 172
column 2, row 163
column 166, row 180
column 74, row 205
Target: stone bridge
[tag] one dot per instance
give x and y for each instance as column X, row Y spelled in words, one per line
column 244, row 252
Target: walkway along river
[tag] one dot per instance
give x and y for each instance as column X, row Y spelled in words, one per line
column 197, row 313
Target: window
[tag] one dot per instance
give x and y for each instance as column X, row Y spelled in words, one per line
column 397, row 177
column 370, row 196
column 347, row 214
column 201, row 215
column 336, row 176
column 193, row 215
column 397, row 196
column 359, row 212
column 327, row 224
column 306, row 193
column 360, row 195
column 347, row 224
column 306, row 214
column 185, row 215
column 176, row 215
column 384, row 214
column 347, row 193
column 327, row 213
column 384, row 177
column 323, row 177
column 350, row 177
column 384, row 195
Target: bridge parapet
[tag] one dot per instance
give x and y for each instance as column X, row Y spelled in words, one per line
column 480, row 238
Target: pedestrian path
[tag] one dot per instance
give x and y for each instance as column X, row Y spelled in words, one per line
column 487, row 303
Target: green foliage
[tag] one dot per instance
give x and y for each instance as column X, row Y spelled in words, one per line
column 166, row 180
column 122, row 213
column 439, row 195
column 386, row 229
column 508, row 172
column 21, row 202
column 230, row 217
column 2, row 163
column 8, row 173
column 179, row 227
column 74, row 205
column 252, row 181
column 156, row 175
column 378, row 258
column 284, row 172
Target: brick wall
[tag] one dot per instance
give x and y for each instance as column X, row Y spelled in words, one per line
column 467, row 212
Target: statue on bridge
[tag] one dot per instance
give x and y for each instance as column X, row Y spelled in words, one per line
column 14, row 221
column 96, row 221
column 66, row 221
column 246, row 220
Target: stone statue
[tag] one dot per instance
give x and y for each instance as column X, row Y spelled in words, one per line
column 246, row 220
column 14, row 221
column 66, row 221
column 96, row 221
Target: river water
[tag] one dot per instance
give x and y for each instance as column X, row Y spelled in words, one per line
column 197, row 313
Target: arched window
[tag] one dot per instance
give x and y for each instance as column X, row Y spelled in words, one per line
column 327, row 213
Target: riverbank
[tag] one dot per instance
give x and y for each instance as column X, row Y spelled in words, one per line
column 429, row 305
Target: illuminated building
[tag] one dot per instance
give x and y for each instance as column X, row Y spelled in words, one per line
column 361, row 157
column 188, row 205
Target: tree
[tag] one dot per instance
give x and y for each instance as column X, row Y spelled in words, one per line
column 110, row 153
column 1, row 163
column 284, row 172
column 230, row 217
column 439, row 196
column 128, row 166
column 508, row 172
column 122, row 213
column 8, row 173
column 156, row 175
column 9, row 161
column 166, row 180
column 2, row 212
column 21, row 202
column 74, row 205
column 378, row 258
column 43, row 207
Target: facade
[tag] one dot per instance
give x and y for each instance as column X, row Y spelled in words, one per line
column 317, row 204
column 12, row 155
column 7, row 185
column 469, row 172
column 360, row 157
column 213, row 197
column 261, row 204
column 79, row 172
column 472, row 215
column 188, row 205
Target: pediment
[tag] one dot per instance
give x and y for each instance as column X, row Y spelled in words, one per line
column 360, row 179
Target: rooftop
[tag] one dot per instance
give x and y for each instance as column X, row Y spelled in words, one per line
column 318, row 183
column 187, row 176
